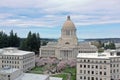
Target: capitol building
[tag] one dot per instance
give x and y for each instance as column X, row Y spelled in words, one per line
column 67, row 46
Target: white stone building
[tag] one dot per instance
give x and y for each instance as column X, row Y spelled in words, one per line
column 14, row 58
column 67, row 46
column 117, row 45
column 98, row 66
column 17, row 74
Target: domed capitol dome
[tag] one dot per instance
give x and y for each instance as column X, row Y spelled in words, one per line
column 68, row 24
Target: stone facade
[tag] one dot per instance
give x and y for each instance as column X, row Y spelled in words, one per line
column 98, row 66
column 14, row 58
column 67, row 46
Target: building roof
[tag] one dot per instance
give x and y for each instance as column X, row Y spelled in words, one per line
column 13, row 51
column 55, row 78
column 97, row 55
column 27, row 76
column 68, row 24
column 30, row 76
column 7, row 70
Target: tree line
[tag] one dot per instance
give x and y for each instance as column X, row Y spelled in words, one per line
column 103, row 46
column 31, row 43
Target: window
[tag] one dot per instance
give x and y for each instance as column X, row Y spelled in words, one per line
column 104, row 67
column 96, row 78
column 88, row 66
column 84, row 60
column 96, row 72
column 100, row 61
column 110, row 71
column 67, row 43
column 88, row 72
column 114, row 71
column 110, row 65
column 84, row 77
column 80, row 71
column 88, row 60
column 84, row 66
column 92, row 72
column 100, row 73
column 88, row 78
column 104, row 61
column 8, row 77
column 96, row 67
column 80, row 66
column 104, row 73
column 92, row 78
column 117, row 65
column 114, row 65
column 92, row 66
column 117, row 76
column 84, row 71
column 117, row 70
column 96, row 61
column 80, row 77
column 100, row 66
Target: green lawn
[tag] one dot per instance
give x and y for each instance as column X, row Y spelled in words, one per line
column 37, row 70
column 64, row 76
column 69, row 70
column 72, row 71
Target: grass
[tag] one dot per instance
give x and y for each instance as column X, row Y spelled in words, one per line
column 69, row 70
column 64, row 76
column 37, row 70
column 72, row 71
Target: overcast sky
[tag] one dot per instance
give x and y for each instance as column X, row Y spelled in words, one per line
column 92, row 18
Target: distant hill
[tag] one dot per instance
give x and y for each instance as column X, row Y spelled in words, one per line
column 115, row 40
column 48, row 39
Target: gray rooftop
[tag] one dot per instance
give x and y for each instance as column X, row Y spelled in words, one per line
column 13, row 51
column 7, row 70
column 30, row 76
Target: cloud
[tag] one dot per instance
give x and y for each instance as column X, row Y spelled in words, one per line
column 52, row 13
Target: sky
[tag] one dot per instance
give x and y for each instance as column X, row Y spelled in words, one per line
column 92, row 18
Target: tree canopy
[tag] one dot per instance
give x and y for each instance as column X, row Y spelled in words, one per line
column 31, row 43
column 11, row 40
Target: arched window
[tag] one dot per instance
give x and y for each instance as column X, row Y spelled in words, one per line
column 67, row 43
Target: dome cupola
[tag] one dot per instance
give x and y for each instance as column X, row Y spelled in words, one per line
column 68, row 33
column 68, row 24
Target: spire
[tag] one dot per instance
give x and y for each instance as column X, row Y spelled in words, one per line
column 68, row 17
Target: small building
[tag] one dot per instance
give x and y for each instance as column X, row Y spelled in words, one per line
column 17, row 74
column 98, row 66
column 117, row 45
column 14, row 58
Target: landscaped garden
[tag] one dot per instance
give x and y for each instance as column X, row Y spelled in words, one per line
column 65, row 69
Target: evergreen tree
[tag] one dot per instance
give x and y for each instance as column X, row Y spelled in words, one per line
column 31, row 43
column 14, row 40
column 110, row 46
column 3, row 40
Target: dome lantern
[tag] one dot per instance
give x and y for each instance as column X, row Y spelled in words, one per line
column 68, row 17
